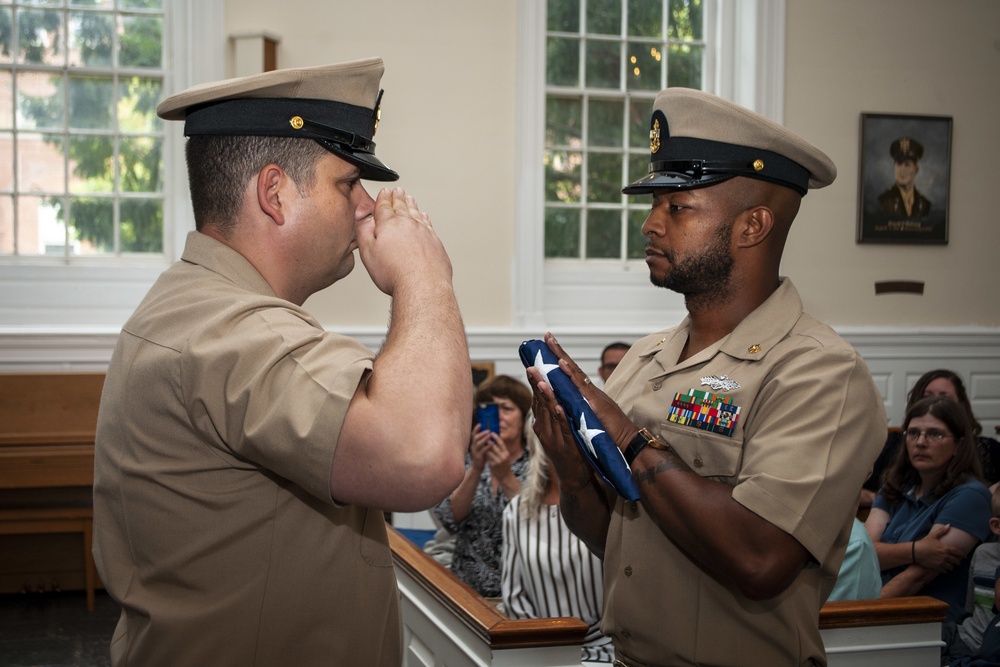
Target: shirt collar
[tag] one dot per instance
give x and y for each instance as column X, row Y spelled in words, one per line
column 214, row 255
column 751, row 340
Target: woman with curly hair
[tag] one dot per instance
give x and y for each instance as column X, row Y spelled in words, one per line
column 933, row 508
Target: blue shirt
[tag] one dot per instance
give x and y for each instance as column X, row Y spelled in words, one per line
column 859, row 577
column 966, row 507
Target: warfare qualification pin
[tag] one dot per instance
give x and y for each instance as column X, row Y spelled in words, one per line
column 720, row 383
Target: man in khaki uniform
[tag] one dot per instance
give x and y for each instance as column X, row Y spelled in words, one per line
column 748, row 428
column 245, row 455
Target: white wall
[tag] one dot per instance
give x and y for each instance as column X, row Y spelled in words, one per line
column 447, row 127
column 921, row 57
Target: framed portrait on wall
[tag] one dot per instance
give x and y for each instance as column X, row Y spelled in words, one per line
column 481, row 372
column 905, row 179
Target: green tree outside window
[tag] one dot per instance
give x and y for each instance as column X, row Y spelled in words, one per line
column 87, row 79
column 605, row 62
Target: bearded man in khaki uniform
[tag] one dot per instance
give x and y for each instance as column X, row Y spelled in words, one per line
column 748, row 428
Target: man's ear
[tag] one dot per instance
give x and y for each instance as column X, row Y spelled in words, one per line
column 270, row 184
column 755, row 225
column 995, row 525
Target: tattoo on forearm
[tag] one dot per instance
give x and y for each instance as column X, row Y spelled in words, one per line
column 670, row 461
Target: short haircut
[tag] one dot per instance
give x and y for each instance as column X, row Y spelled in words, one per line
column 220, row 167
column 617, row 345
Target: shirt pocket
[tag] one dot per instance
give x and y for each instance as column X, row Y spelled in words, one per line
column 708, row 454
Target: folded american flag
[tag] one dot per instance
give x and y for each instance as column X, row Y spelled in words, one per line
column 597, row 446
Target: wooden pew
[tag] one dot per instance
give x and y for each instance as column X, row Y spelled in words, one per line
column 446, row 622
column 47, row 424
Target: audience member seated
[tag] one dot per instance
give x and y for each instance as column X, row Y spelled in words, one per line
column 965, row 640
column 495, row 466
column 547, row 570
column 988, row 654
column 933, row 508
column 611, row 355
column 939, row 382
column 859, row 577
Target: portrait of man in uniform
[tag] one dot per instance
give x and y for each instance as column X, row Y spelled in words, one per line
column 905, row 165
column 902, row 201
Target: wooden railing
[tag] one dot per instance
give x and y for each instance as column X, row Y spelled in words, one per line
column 428, row 580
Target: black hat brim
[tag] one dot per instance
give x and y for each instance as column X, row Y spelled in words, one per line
column 372, row 169
column 672, row 181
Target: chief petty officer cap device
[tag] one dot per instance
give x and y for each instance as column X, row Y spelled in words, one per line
column 697, row 139
column 337, row 105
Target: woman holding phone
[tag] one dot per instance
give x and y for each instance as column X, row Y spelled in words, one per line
column 496, row 464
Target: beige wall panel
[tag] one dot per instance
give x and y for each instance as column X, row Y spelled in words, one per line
column 920, row 57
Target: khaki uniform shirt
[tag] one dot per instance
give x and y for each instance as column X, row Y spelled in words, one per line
column 810, row 422
column 213, row 522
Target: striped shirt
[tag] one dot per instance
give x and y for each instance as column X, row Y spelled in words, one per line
column 548, row 572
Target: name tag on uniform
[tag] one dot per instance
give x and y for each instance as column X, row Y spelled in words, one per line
column 705, row 410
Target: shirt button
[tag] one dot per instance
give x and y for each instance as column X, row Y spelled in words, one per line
column 657, row 385
column 628, row 571
column 698, row 463
column 634, row 506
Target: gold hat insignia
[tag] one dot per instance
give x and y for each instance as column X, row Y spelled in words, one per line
column 654, row 137
column 296, row 122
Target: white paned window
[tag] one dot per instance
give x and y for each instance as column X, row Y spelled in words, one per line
column 605, row 62
column 93, row 189
column 82, row 146
column 589, row 71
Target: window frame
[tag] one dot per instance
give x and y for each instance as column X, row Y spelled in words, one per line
column 101, row 291
column 597, row 293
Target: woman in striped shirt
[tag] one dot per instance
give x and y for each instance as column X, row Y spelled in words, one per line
column 547, row 571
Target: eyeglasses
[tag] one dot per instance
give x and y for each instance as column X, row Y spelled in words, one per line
column 932, row 434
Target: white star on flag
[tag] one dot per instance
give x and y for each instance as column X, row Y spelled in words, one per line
column 543, row 367
column 588, row 434
column 595, row 444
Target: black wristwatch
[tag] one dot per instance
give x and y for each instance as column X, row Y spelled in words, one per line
column 642, row 440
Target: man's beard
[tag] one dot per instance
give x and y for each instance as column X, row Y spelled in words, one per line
column 700, row 277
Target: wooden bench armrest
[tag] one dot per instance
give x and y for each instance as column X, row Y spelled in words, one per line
column 884, row 611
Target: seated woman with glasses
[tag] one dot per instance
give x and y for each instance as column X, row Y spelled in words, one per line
column 933, row 509
column 939, row 382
